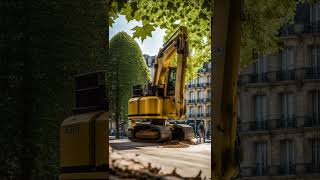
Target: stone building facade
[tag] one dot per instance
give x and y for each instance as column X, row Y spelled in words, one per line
column 198, row 99
column 150, row 61
column 279, row 105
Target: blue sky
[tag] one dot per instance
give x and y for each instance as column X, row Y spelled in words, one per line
column 149, row 46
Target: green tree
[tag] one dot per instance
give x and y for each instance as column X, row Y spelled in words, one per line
column 262, row 21
column 125, row 69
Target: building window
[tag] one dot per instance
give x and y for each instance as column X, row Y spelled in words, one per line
column 315, row 107
column 315, row 58
column 209, row 110
column 202, row 79
column 200, row 110
column 261, row 65
column 314, row 13
column 287, row 59
column 287, row 111
column 191, row 110
column 190, row 95
column 260, row 111
column 315, row 103
column 261, row 159
column 287, row 165
column 209, row 94
column 260, row 69
column 194, row 81
column 316, row 154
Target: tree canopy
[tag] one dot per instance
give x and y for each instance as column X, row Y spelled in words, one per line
column 126, row 67
column 261, row 22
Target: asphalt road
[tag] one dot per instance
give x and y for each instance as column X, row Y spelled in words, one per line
column 188, row 161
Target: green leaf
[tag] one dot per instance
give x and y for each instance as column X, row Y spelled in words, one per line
column 143, row 32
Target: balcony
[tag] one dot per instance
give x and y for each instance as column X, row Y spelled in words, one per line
column 312, row 168
column 207, row 99
column 287, row 123
column 258, row 78
column 263, row 170
column 254, row 126
column 204, row 70
column 260, row 170
column 287, row 169
column 204, row 84
column 268, row 125
column 286, row 75
column 298, row 29
column 191, row 101
column 312, row 122
column 312, row 27
column 312, row 73
column 207, row 114
column 200, row 115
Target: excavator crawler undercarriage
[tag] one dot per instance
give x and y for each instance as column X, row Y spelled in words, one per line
column 160, row 133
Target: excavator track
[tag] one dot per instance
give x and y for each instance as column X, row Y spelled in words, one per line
column 159, row 133
column 150, row 133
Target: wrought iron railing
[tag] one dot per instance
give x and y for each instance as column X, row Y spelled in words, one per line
column 260, row 125
column 311, row 121
column 312, row 168
column 312, row 73
column 260, row 170
column 286, row 75
column 190, row 101
column 258, row 78
column 289, row 122
column 287, row 169
column 306, row 28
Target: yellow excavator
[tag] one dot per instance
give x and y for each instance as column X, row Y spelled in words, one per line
column 150, row 110
column 84, row 138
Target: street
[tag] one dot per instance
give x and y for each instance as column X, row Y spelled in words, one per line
column 187, row 159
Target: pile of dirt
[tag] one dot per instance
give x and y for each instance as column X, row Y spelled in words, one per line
column 174, row 144
column 177, row 144
column 121, row 167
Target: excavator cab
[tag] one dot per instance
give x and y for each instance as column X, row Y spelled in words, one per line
column 171, row 81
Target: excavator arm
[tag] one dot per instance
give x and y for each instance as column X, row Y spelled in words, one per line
column 177, row 44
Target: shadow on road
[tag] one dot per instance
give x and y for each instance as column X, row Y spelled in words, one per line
column 126, row 145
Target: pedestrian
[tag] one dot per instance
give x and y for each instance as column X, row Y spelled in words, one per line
column 201, row 132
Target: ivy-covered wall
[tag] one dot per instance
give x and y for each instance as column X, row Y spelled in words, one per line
column 57, row 39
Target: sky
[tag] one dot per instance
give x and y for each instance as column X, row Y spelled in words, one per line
column 150, row 45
